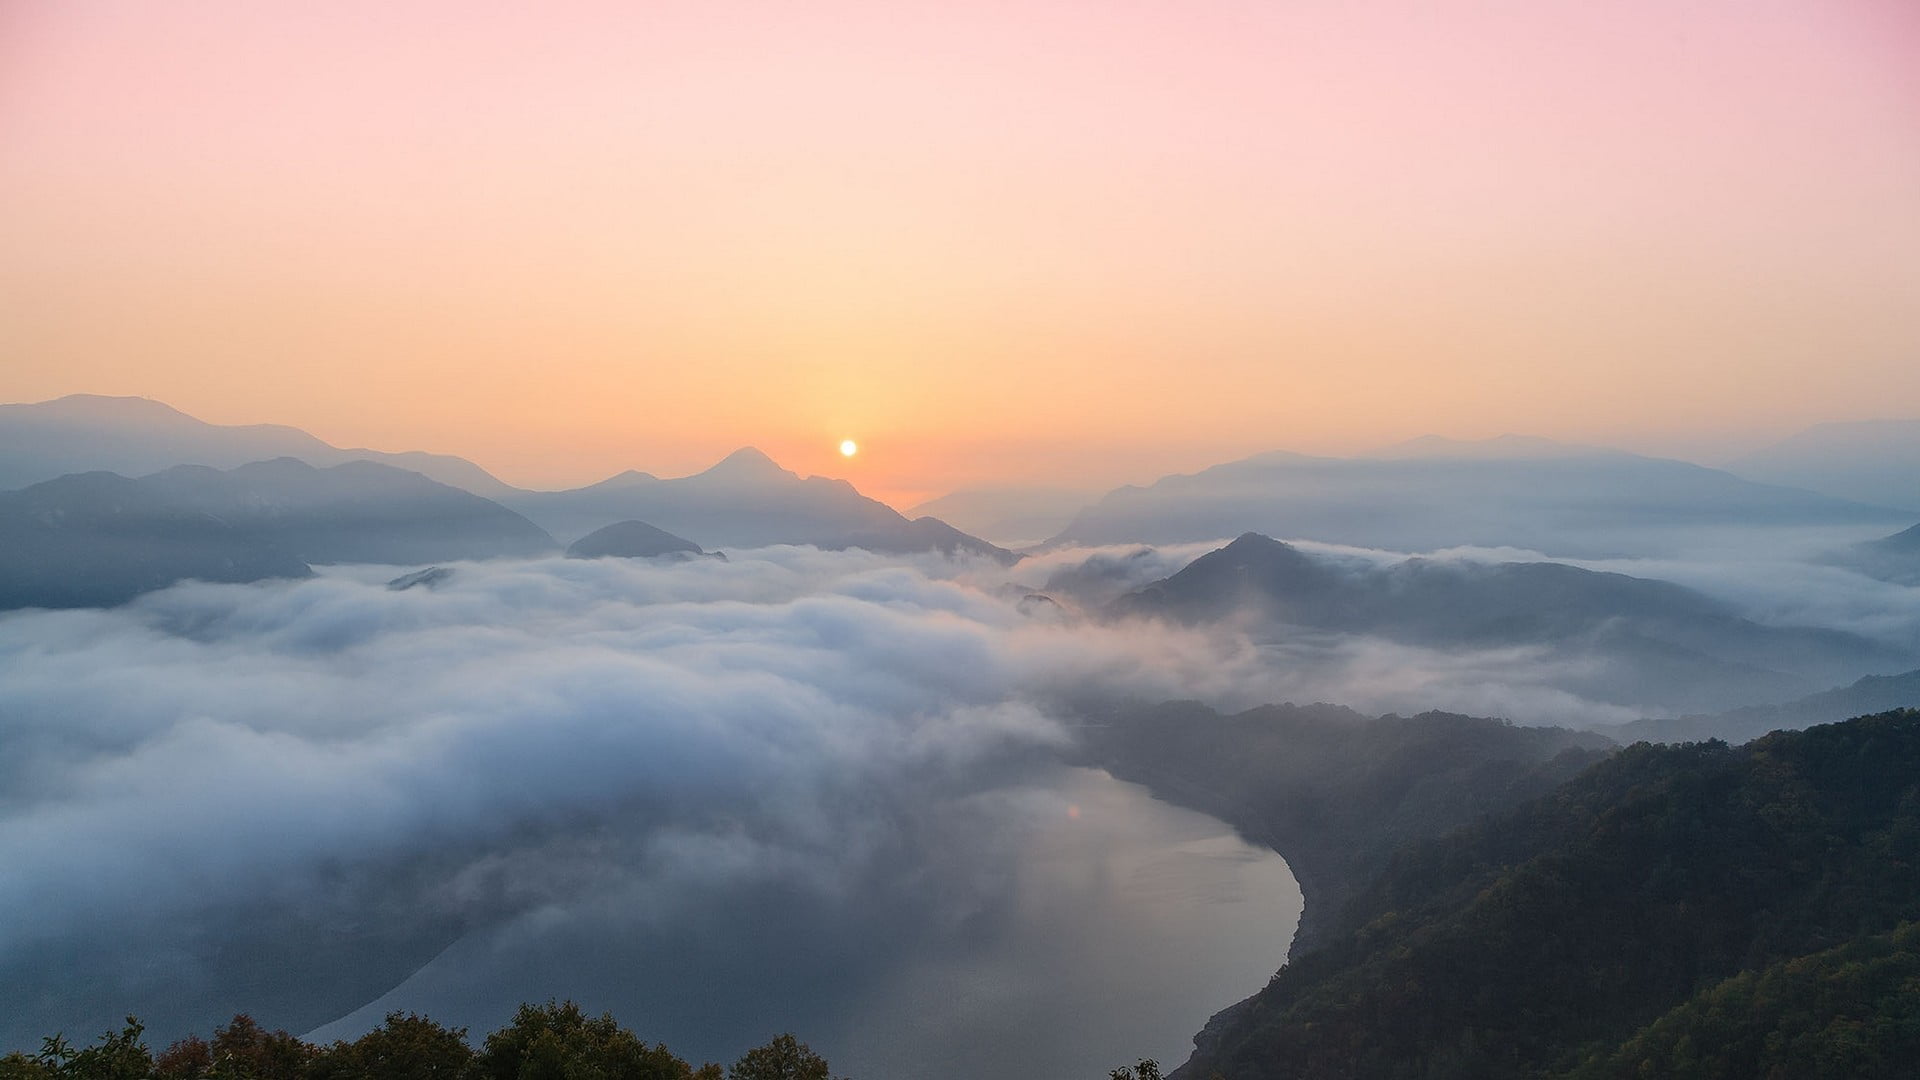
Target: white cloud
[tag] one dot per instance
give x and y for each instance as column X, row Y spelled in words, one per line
column 530, row 739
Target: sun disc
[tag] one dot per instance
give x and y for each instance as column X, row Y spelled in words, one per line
column 848, row 448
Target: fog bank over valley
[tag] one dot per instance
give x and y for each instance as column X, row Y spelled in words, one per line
column 800, row 786
column 285, row 797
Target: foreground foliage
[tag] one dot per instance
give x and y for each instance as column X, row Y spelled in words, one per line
column 544, row 1042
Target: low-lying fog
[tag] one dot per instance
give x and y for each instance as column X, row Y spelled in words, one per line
column 790, row 790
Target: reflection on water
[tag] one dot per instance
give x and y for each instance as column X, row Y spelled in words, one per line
column 1100, row 927
column 1135, row 922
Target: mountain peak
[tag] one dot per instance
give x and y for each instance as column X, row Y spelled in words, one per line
column 1254, row 541
column 631, row 539
column 282, row 467
column 746, row 465
column 624, row 479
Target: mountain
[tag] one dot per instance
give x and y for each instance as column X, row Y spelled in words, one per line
column 136, row 436
column 359, row 512
column 1570, row 934
column 1893, row 558
column 1847, row 1012
column 1009, row 516
column 746, row 500
column 1433, row 494
column 1872, row 461
column 630, row 540
column 1872, row 694
column 1635, row 640
column 98, row 539
column 1333, row 791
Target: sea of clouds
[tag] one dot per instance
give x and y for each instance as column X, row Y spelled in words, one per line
column 291, row 795
column 212, row 762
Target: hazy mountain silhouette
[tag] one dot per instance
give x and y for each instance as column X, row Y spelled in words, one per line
column 630, row 540
column 1008, row 515
column 1893, row 558
column 1874, row 461
column 1646, row 641
column 1872, row 694
column 746, row 500
column 98, row 538
column 1103, row 577
column 1434, row 493
column 359, row 512
column 136, row 436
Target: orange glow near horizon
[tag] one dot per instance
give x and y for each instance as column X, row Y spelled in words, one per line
column 1055, row 243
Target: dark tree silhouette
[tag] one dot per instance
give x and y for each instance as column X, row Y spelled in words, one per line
column 785, row 1058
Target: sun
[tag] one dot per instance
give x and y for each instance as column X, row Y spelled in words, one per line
column 848, row 448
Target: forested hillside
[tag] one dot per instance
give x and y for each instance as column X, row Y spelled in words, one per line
column 1334, row 791
column 1547, row 937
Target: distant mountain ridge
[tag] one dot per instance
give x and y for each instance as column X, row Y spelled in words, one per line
column 92, row 539
column 1871, row 694
column 1873, row 461
column 1659, row 639
column 747, row 500
column 1893, row 558
column 97, row 539
column 358, row 512
column 744, row 500
column 135, row 436
column 1432, row 494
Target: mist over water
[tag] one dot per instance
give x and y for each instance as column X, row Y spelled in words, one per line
column 1109, row 927
column 724, row 799
column 794, row 790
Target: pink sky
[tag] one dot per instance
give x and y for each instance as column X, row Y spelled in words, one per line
column 1078, row 243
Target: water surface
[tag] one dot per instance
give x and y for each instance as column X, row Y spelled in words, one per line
column 1110, row 928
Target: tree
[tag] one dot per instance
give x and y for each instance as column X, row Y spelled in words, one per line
column 186, row 1059
column 19, row 1066
column 785, row 1058
column 406, row 1047
column 560, row 1042
column 117, row 1055
column 243, row 1050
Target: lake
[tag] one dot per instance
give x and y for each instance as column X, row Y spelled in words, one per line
column 1106, row 926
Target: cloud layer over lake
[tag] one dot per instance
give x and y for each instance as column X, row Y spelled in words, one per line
column 287, row 797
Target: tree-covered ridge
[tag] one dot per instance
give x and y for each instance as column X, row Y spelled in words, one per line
column 1516, row 947
column 555, row 1041
column 1333, row 791
column 1852, row 1012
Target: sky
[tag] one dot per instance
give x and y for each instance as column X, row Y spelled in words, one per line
column 995, row 243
